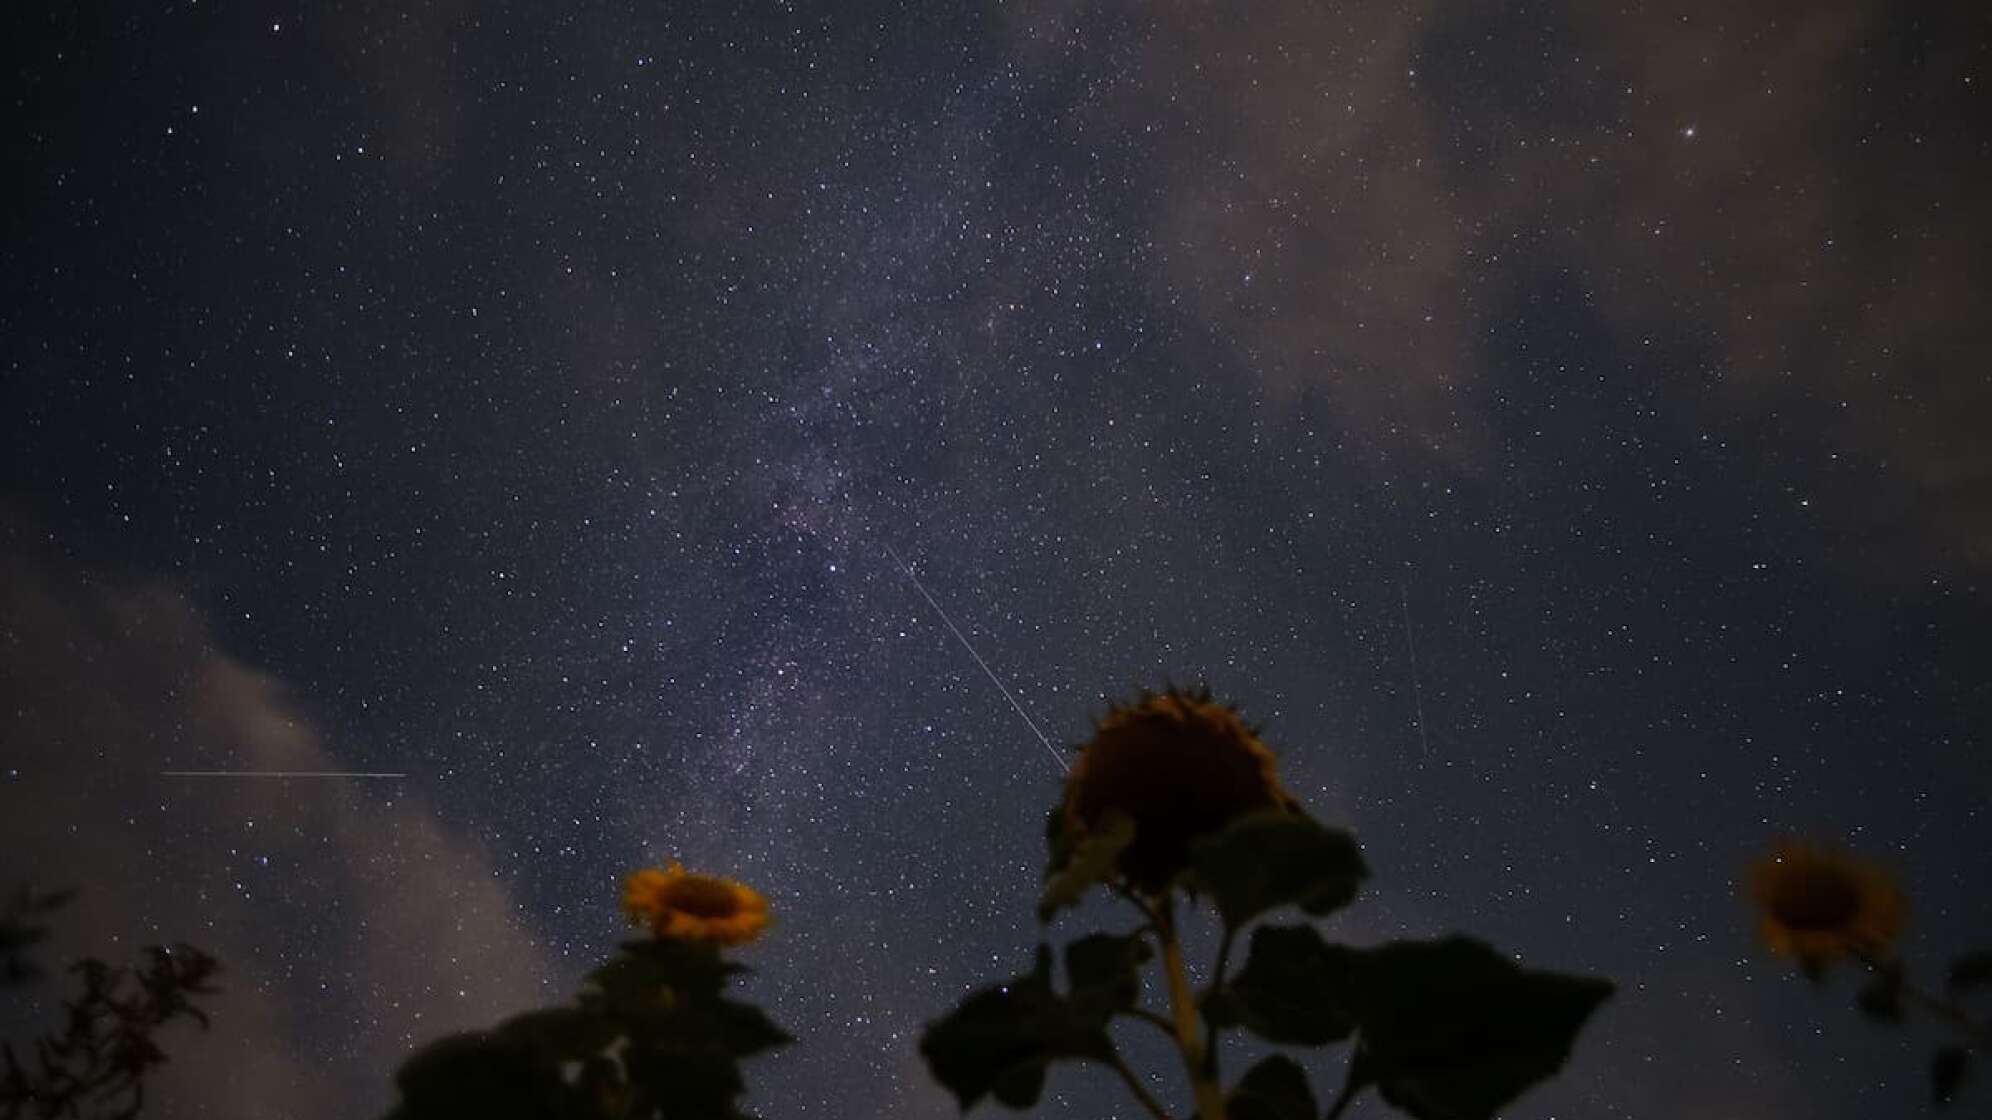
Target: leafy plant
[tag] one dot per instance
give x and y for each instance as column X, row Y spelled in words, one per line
column 23, row 925
column 651, row 1035
column 1174, row 802
column 1820, row 905
column 96, row 1065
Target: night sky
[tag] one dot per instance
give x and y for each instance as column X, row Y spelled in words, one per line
column 531, row 398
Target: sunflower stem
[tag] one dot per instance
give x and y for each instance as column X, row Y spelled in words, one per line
column 1183, row 1003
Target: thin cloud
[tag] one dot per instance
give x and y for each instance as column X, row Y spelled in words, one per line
column 1354, row 198
column 317, row 897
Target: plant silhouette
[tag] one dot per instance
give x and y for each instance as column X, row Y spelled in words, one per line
column 652, row 1036
column 1175, row 802
column 97, row 1064
column 1820, row 905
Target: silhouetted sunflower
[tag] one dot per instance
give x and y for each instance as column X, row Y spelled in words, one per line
column 679, row 904
column 1180, row 766
column 1819, row 905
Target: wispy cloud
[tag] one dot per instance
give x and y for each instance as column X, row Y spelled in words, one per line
column 352, row 921
column 1354, row 198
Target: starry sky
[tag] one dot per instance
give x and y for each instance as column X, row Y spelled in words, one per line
column 1562, row 429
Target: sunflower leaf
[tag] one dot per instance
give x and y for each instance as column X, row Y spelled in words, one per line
column 1972, row 970
column 665, row 997
column 482, row 1074
column 687, row 1085
column 1288, row 990
column 1880, row 999
column 1091, row 861
column 1275, row 1089
column 687, row 1060
column 742, row 1029
column 1000, row 1040
column 561, row 1034
column 1947, row 1069
column 660, row 971
column 1276, row 858
column 1020, row 1086
column 1452, row 1030
column 1105, row 973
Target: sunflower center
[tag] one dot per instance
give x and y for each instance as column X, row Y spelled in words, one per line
column 702, row 897
column 1180, row 766
column 1815, row 898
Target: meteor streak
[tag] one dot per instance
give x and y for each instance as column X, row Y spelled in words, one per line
column 1417, row 693
column 986, row 670
column 281, row 774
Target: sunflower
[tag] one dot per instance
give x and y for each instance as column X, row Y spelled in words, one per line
column 1820, row 904
column 1180, row 766
column 686, row 906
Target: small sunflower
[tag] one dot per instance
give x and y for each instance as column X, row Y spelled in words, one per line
column 1819, row 904
column 1180, row 766
column 680, row 904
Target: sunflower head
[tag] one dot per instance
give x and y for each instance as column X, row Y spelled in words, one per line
column 1819, row 904
column 1180, row 766
column 685, row 906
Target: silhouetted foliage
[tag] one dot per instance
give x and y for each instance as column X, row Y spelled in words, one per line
column 1444, row 1030
column 1823, row 906
column 651, row 1037
column 96, row 1065
column 22, row 928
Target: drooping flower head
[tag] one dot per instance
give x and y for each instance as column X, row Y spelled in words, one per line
column 680, row 904
column 1819, row 904
column 1180, row 766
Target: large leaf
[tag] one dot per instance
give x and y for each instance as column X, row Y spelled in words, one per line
column 1276, row 858
column 687, row 1062
column 666, row 995
column 684, row 1038
column 1091, row 861
column 743, row 1029
column 1452, row 1030
column 1947, row 1069
column 562, row 1034
column 1105, row 973
column 660, row 972
column 484, row 1075
column 1287, row 991
column 655, row 1012
column 1275, row 1089
column 685, row 1086
column 1000, row 1040
column 1880, row 999
column 1972, row 970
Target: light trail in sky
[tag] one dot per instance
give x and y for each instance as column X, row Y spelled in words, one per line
column 986, row 670
column 281, row 774
column 1417, row 692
